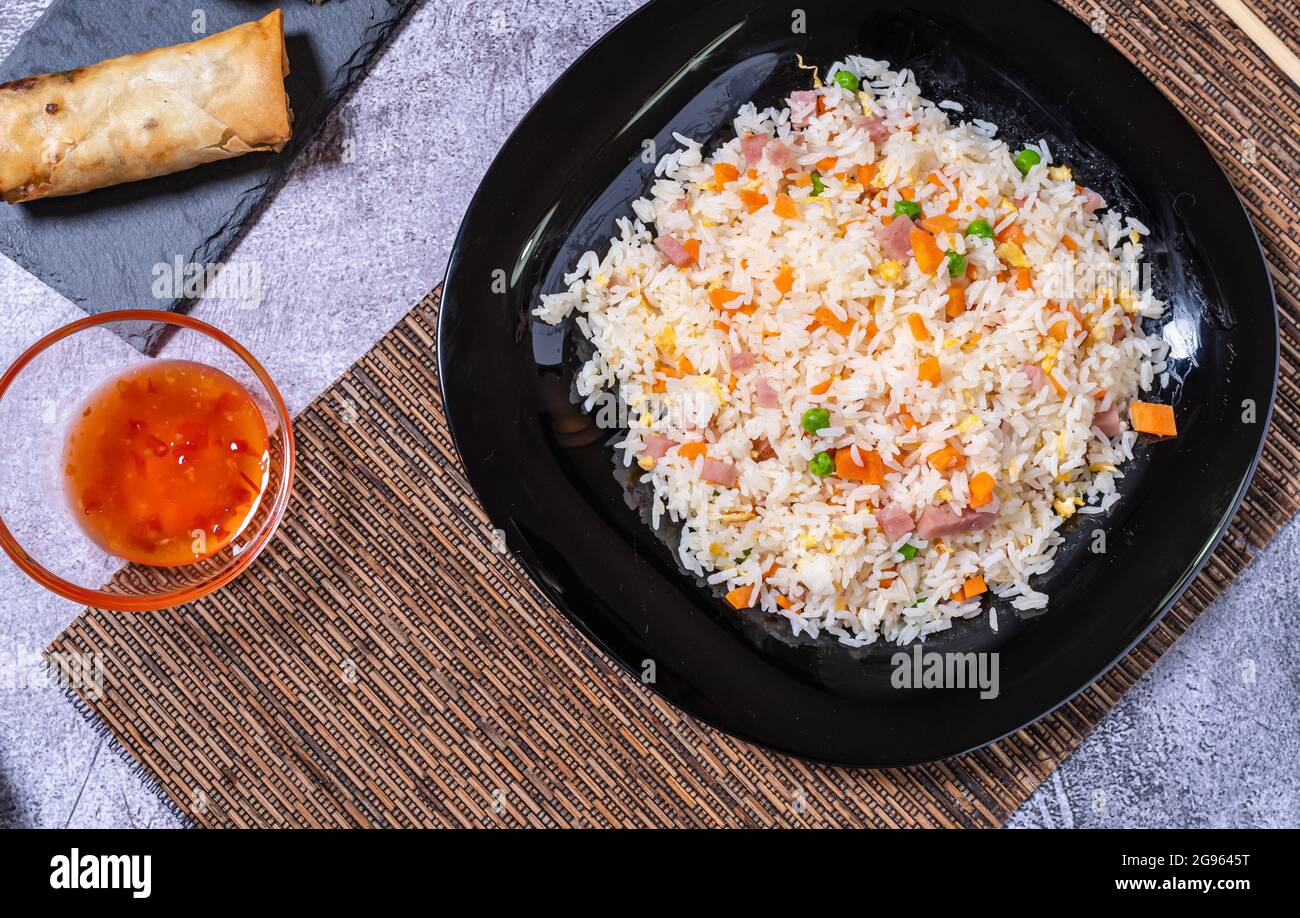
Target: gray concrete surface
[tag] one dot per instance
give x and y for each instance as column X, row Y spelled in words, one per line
column 1210, row 737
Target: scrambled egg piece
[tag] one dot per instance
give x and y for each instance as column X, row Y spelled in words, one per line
column 1012, row 254
column 667, row 341
column 889, row 272
column 1059, row 173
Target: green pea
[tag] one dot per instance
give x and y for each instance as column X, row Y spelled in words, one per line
column 956, row 264
column 817, row 184
column 980, row 228
column 907, row 209
column 848, row 80
column 1026, row 159
column 814, row 419
column 821, row 465
column 908, row 552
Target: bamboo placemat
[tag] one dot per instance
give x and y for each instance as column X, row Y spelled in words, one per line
column 382, row 664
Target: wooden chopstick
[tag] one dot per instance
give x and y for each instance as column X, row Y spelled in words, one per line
column 1269, row 43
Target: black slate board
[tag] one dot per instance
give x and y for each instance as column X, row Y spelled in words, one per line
column 100, row 249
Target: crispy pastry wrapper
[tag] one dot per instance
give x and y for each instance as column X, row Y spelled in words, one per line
column 145, row 115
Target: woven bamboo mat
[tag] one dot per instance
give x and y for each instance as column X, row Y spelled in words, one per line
column 381, row 664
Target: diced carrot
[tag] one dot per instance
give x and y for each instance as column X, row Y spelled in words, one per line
column 691, row 451
column 933, row 179
column 940, row 223
column 825, row 317
column 1057, row 330
column 751, row 174
column 872, row 471
column 870, row 330
column 685, row 367
column 803, row 179
column 721, row 296
column 1100, row 394
column 783, row 602
column 826, row 163
column 929, row 371
column 972, row 272
column 723, row 173
column 907, row 193
column 739, row 597
column 1069, row 243
column 659, row 386
column 822, row 387
column 752, row 200
column 917, row 324
column 748, row 309
column 943, row 459
column 908, row 422
column 982, row 201
column 1012, row 233
column 974, row 587
column 981, row 489
column 956, row 301
column 1023, row 281
column 952, row 205
column 1151, row 418
column 772, row 569
column 866, row 174
column 927, row 252
column 692, row 247
column 722, row 326
column 958, row 595
column 786, row 207
column 784, row 279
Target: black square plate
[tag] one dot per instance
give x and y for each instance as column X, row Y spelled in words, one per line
column 574, row 165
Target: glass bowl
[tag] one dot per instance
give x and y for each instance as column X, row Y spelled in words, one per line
column 40, row 393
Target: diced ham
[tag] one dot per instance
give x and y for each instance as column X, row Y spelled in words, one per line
column 1107, row 421
column 896, row 522
column 778, row 153
column 741, row 360
column 895, row 240
column 765, row 394
column 803, row 105
column 761, row 449
column 752, row 146
column 656, row 446
column 1092, row 201
column 718, row 472
column 673, row 251
column 875, row 128
column 943, row 521
column 1037, row 378
column 680, row 204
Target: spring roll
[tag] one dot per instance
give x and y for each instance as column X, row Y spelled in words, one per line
column 145, row 115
